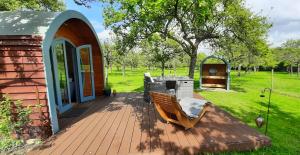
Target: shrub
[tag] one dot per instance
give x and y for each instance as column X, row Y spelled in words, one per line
column 13, row 119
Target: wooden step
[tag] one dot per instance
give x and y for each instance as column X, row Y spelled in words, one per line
column 214, row 85
column 213, row 77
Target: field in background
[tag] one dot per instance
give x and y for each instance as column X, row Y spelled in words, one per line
column 244, row 102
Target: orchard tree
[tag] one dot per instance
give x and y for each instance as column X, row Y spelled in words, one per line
column 161, row 51
column 289, row 53
column 132, row 59
column 187, row 22
column 108, row 49
column 39, row 5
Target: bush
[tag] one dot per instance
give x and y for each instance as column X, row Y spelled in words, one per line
column 13, row 119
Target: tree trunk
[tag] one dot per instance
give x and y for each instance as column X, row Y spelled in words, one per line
column 193, row 64
column 110, row 68
column 298, row 70
column 254, row 69
column 239, row 70
column 174, row 67
column 162, row 69
column 106, row 74
column 123, row 69
column 272, row 79
column 291, row 69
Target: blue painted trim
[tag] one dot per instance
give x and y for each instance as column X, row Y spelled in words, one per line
column 200, row 79
column 61, row 107
column 47, row 41
column 82, row 97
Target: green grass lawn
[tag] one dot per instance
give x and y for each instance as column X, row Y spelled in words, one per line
column 244, row 102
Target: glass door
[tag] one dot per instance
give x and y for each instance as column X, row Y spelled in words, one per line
column 85, row 73
column 61, row 76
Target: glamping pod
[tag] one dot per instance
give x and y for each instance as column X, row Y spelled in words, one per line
column 214, row 75
column 52, row 59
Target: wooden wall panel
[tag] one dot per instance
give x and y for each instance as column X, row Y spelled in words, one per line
column 22, row 76
column 22, row 82
column 21, row 60
column 221, row 69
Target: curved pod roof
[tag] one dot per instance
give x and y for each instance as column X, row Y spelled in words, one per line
column 44, row 24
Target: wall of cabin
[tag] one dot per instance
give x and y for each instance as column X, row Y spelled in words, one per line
column 22, row 77
column 22, row 74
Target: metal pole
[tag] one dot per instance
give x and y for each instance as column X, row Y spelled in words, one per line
column 270, row 90
column 272, row 79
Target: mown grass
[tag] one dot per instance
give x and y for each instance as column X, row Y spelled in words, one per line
column 244, row 103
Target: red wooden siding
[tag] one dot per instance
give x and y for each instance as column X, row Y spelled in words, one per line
column 22, row 76
column 82, row 37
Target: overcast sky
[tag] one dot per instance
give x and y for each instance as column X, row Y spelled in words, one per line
column 283, row 14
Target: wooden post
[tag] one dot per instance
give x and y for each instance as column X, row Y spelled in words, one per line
column 298, row 70
column 123, row 69
column 272, row 82
column 174, row 67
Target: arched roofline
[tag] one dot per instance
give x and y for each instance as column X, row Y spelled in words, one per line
column 214, row 57
column 47, row 41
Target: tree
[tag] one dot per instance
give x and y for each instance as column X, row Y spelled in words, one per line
column 132, row 59
column 108, row 50
column 161, row 51
column 46, row 5
column 189, row 23
column 289, row 53
column 239, row 53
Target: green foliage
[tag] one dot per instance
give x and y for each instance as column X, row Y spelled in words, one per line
column 47, row 5
column 188, row 23
column 289, row 52
column 161, row 51
column 13, row 119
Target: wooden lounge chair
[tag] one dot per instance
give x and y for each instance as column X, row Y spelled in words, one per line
column 171, row 111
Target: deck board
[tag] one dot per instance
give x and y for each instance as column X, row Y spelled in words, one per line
column 137, row 132
column 145, row 127
column 125, row 124
column 163, row 137
column 88, row 140
column 73, row 130
column 127, row 137
column 117, row 139
column 92, row 149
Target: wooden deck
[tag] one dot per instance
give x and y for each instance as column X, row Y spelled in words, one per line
column 125, row 124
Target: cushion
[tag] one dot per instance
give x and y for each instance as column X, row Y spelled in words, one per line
column 149, row 76
column 192, row 106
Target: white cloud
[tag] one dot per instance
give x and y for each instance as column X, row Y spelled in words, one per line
column 105, row 35
column 283, row 14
